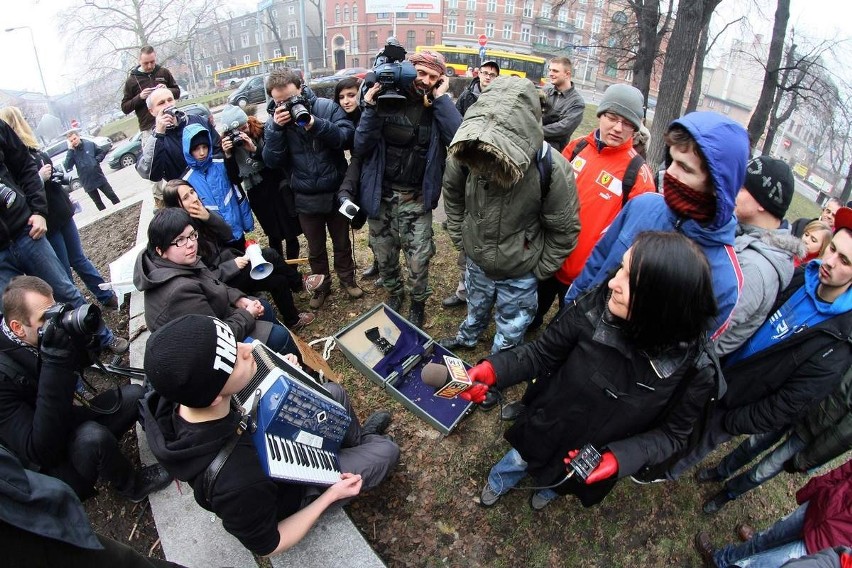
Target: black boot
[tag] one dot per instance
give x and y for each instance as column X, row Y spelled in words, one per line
column 372, row 271
column 395, row 302
column 416, row 315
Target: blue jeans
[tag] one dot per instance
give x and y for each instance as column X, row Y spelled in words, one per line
column 771, row 465
column 509, row 471
column 770, row 548
column 65, row 241
column 36, row 257
column 515, row 301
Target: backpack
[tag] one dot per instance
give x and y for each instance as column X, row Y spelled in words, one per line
column 630, row 174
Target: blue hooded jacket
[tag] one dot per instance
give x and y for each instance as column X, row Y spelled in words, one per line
column 725, row 146
column 210, row 180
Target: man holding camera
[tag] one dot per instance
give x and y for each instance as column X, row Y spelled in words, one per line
column 306, row 136
column 42, row 348
column 162, row 154
column 87, row 157
column 404, row 159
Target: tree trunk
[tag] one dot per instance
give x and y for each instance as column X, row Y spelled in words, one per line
column 847, row 186
column 647, row 16
column 698, row 70
column 692, row 17
column 770, row 79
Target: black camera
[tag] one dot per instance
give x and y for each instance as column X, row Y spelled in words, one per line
column 79, row 323
column 175, row 112
column 7, row 196
column 394, row 74
column 298, row 106
column 234, row 137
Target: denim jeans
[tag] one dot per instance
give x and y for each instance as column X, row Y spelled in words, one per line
column 65, row 241
column 514, row 301
column 770, row 548
column 509, row 471
column 768, row 467
column 36, row 257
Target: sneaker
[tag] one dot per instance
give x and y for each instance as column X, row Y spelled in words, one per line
column 305, row 319
column 488, row 497
column 537, row 502
column 118, row 345
column 353, row 290
column 377, row 423
column 147, row 480
column 319, row 297
column 453, row 302
column 708, row 475
column 312, row 282
column 716, row 502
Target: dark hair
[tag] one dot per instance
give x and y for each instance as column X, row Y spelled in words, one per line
column 282, row 78
column 146, row 50
column 681, row 138
column 166, row 225
column 347, row 83
column 14, row 296
column 671, row 291
column 171, row 195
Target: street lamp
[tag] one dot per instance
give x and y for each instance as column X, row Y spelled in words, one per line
column 35, row 50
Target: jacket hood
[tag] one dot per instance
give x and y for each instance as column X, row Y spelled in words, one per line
column 839, row 306
column 139, row 73
column 501, row 133
column 151, row 272
column 189, row 133
column 778, row 247
column 187, row 456
column 725, row 146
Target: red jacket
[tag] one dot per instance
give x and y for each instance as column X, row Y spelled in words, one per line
column 599, row 174
column 828, row 520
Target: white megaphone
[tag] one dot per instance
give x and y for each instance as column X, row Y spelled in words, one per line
column 260, row 267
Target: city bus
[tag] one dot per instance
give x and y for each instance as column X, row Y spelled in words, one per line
column 232, row 75
column 458, row 59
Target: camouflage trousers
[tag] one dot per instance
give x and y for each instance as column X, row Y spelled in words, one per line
column 514, row 300
column 402, row 224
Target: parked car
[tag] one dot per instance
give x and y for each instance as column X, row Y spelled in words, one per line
column 251, row 91
column 343, row 73
column 126, row 153
column 60, row 145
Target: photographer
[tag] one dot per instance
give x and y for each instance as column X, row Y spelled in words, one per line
column 40, row 352
column 404, row 157
column 162, row 154
column 306, row 136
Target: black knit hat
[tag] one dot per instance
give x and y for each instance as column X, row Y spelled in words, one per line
column 770, row 182
column 200, row 138
column 189, row 360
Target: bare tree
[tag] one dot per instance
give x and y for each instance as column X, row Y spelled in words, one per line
column 704, row 47
column 652, row 25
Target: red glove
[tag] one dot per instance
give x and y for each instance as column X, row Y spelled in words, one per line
column 483, row 376
column 605, row 469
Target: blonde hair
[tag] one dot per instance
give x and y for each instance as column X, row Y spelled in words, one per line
column 14, row 118
column 816, row 226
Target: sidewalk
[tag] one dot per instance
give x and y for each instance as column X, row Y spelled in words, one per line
column 195, row 537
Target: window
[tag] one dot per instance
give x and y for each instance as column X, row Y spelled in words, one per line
column 208, row 70
column 545, row 10
column 421, row 16
column 373, row 42
column 346, row 12
column 356, row 62
column 382, row 16
column 711, row 103
column 471, row 5
column 560, row 41
column 491, row 5
column 451, row 26
column 580, row 20
column 410, row 40
column 354, row 12
column 611, row 68
column 244, row 40
column 353, row 43
column 468, row 26
column 219, row 66
column 619, row 17
column 628, row 76
column 259, row 56
column 401, row 16
column 294, row 51
column 525, row 34
column 507, row 31
column 542, row 39
column 726, row 109
column 453, row 4
column 489, row 29
column 292, row 30
column 291, row 10
column 562, row 15
column 510, row 7
column 246, row 58
column 596, row 24
column 276, row 52
column 243, row 24
column 430, row 37
column 528, row 9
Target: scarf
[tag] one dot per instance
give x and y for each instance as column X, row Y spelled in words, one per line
column 688, row 202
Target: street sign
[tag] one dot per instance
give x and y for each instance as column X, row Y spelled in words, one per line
column 482, row 53
column 483, row 39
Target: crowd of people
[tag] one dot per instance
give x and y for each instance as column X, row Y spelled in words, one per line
column 690, row 311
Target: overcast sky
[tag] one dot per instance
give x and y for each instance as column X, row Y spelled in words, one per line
column 18, row 70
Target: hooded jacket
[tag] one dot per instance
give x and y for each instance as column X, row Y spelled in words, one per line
column 19, row 173
column 173, row 290
column 162, row 154
column 766, row 260
column 247, row 500
column 210, row 179
column 139, row 81
column 314, row 157
column 370, row 146
column 505, row 224
column 725, row 146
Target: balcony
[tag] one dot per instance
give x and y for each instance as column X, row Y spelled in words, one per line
column 550, row 49
column 552, row 24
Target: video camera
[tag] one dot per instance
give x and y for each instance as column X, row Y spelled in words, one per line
column 394, row 74
column 298, row 106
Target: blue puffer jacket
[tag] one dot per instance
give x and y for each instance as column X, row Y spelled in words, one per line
column 724, row 144
column 210, row 180
column 370, row 146
column 313, row 157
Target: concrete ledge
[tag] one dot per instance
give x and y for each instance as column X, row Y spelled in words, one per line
column 194, row 537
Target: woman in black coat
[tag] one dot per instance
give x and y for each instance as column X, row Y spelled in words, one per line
column 607, row 373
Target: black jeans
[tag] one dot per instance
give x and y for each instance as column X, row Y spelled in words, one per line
column 279, row 284
column 548, row 290
column 106, row 188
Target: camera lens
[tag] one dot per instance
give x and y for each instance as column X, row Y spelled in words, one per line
column 7, row 196
column 300, row 114
column 85, row 320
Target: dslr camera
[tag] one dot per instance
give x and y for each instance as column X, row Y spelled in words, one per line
column 394, row 74
column 178, row 114
column 234, row 136
column 81, row 324
column 298, row 106
column 7, row 196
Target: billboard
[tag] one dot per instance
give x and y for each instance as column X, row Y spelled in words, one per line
column 385, row 6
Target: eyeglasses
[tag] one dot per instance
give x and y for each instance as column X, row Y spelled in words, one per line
column 615, row 119
column 182, row 240
column 488, row 74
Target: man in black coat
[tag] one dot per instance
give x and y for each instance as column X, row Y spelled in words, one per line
column 87, row 157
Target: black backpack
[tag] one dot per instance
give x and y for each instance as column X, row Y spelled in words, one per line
column 630, row 174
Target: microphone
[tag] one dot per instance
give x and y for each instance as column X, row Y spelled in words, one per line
column 449, row 379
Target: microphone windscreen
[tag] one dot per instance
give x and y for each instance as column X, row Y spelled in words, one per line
column 434, row 374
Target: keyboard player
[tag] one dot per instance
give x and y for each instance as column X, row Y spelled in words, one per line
column 195, row 366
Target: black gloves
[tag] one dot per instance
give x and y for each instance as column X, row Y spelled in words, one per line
column 56, row 347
